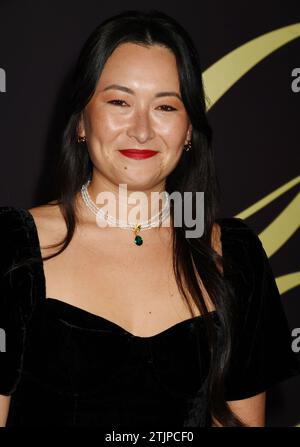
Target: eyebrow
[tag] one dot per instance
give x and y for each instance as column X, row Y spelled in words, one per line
column 128, row 90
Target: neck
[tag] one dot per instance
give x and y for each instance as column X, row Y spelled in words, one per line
column 130, row 207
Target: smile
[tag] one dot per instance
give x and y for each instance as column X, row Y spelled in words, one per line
column 138, row 154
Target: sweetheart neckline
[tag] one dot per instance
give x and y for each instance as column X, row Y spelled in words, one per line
column 36, row 242
column 57, row 301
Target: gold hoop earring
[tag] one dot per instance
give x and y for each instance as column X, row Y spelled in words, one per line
column 188, row 146
column 81, row 139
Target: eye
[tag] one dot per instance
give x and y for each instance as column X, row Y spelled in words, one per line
column 113, row 101
column 117, row 102
column 170, row 107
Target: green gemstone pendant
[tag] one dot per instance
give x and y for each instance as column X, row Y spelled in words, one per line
column 138, row 240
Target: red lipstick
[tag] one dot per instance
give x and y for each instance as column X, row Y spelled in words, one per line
column 138, row 154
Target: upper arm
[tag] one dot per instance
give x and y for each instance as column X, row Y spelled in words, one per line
column 14, row 302
column 250, row 411
column 4, row 408
column 262, row 354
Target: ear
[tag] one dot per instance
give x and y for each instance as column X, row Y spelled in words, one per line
column 189, row 133
column 80, row 126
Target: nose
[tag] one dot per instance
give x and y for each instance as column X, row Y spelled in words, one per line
column 141, row 127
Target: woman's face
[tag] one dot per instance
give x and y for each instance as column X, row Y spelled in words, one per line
column 129, row 111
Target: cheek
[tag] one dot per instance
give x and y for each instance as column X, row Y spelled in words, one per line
column 173, row 128
column 101, row 123
column 175, row 137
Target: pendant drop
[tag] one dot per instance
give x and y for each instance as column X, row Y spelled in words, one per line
column 138, row 240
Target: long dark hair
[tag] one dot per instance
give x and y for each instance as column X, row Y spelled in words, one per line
column 194, row 172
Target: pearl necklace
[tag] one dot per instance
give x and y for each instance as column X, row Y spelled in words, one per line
column 138, row 240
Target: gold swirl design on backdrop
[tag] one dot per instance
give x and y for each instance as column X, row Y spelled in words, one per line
column 224, row 73
column 217, row 80
column 286, row 223
column 278, row 232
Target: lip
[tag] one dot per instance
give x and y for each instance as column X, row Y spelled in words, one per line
column 138, row 154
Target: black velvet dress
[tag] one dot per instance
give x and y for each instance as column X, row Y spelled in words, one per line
column 64, row 366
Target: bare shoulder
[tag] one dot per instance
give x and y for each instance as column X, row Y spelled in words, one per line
column 47, row 215
column 49, row 222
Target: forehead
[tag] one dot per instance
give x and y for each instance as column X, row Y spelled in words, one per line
column 132, row 62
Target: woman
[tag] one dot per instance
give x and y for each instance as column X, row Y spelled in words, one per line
column 109, row 327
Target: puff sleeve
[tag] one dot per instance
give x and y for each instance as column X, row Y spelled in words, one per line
column 262, row 354
column 13, row 238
